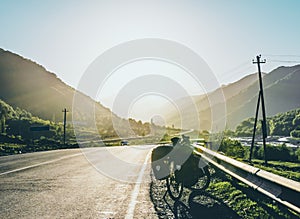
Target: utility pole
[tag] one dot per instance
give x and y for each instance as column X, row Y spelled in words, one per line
column 254, row 129
column 65, row 123
column 264, row 120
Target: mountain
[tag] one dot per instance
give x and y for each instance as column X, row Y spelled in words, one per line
column 29, row 86
column 203, row 104
column 229, row 90
column 281, row 89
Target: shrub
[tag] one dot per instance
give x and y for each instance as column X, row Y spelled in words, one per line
column 232, row 148
column 281, row 153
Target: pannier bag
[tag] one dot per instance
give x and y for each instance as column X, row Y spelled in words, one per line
column 160, row 167
column 189, row 172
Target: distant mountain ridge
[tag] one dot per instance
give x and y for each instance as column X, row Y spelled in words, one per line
column 203, row 102
column 30, row 86
column 282, row 94
column 281, row 89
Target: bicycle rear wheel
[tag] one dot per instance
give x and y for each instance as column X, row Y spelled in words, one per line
column 203, row 180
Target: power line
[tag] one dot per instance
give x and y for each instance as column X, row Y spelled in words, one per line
column 244, row 66
column 236, row 70
column 237, row 67
column 238, row 73
column 285, row 61
column 287, row 58
column 280, row 55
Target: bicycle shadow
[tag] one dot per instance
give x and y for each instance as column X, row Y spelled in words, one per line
column 202, row 205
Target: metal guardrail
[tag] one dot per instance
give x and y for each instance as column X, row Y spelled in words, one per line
column 278, row 188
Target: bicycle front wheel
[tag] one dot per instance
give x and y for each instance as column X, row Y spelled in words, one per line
column 174, row 188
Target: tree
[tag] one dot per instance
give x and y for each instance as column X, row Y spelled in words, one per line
column 280, row 124
column 232, row 148
column 3, row 119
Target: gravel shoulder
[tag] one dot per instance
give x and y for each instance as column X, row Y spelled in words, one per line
column 224, row 198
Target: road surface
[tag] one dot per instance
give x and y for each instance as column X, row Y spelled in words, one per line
column 73, row 184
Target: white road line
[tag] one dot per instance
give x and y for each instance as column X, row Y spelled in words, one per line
column 136, row 190
column 39, row 164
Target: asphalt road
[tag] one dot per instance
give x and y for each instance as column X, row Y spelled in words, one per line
column 76, row 183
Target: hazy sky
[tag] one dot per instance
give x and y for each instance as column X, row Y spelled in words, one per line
column 65, row 36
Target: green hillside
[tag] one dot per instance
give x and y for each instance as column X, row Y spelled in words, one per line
column 16, row 135
column 282, row 124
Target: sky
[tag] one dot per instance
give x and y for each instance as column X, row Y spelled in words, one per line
column 66, row 36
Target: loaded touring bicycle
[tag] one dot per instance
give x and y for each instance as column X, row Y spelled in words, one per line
column 180, row 167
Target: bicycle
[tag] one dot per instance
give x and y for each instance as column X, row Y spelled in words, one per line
column 180, row 168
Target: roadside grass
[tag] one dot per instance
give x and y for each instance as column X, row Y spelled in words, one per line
column 224, row 198
column 246, row 202
column 7, row 149
column 11, row 148
column 290, row 170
